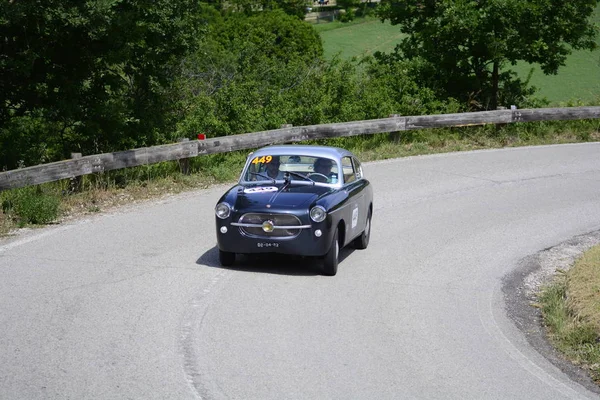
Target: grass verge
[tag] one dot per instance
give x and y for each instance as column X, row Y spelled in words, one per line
column 58, row 201
column 571, row 310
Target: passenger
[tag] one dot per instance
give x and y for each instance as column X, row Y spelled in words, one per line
column 272, row 169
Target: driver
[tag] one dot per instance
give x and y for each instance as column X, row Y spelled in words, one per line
column 323, row 166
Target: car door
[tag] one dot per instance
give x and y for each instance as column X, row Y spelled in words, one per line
column 355, row 185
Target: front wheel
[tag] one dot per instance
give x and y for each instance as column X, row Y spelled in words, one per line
column 362, row 241
column 226, row 258
column 330, row 263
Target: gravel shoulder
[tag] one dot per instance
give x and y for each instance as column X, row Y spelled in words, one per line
column 520, row 289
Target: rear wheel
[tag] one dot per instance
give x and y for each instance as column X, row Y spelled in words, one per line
column 226, row 258
column 330, row 263
column 362, row 241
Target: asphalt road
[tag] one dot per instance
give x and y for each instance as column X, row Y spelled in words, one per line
column 133, row 304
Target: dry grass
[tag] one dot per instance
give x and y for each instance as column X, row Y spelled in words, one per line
column 571, row 311
column 107, row 198
column 583, row 288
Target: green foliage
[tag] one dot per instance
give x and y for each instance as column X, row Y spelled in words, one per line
column 275, row 34
column 292, row 7
column 109, row 75
column 367, row 9
column 245, row 73
column 463, row 45
column 31, row 205
column 90, row 76
column 22, row 141
column 347, row 4
column 249, row 92
column 257, row 72
column 348, row 15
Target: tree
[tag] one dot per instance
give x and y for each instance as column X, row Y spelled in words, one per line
column 241, row 77
column 91, row 76
column 463, row 46
column 257, row 72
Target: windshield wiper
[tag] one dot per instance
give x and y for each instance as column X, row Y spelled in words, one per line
column 299, row 176
column 263, row 176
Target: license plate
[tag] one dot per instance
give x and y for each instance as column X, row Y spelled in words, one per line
column 262, row 245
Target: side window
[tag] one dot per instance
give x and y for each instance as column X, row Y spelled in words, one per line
column 358, row 168
column 348, row 170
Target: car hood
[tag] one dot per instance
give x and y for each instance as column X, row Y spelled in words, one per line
column 278, row 196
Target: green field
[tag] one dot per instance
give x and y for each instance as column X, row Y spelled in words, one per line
column 362, row 37
column 578, row 80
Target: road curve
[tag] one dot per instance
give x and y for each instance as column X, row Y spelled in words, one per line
column 133, row 304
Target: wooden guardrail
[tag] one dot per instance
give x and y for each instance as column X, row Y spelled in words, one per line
column 149, row 155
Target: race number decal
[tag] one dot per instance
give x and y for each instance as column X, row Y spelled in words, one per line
column 261, row 189
column 354, row 217
column 262, row 160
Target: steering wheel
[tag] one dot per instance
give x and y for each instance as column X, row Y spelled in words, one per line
column 320, row 177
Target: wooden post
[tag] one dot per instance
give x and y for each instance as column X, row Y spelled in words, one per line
column 75, row 182
column 184, row 163
column 395, row 136
column 283, row 126
column 499, row 126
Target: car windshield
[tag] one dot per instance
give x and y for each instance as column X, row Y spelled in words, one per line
column 297, row 167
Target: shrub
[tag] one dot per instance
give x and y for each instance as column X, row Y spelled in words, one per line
column 348, row 16
column 31, row 205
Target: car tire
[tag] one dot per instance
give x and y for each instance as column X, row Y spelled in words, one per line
column 226, row 258
column 362, row 241
column 330, row 262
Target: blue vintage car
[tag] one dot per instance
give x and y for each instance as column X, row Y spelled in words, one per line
column 301, row 200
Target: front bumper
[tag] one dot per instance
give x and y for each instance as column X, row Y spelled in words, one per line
column 305, row 244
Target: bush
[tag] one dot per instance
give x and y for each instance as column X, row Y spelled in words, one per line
column 31, row 206
column 347, row 16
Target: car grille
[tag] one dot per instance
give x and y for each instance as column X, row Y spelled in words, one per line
column 277, row 220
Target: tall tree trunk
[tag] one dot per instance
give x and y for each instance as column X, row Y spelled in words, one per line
column 495, row 78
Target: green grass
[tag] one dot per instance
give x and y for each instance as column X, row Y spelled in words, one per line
column 571, row 310
column 579, row 79
column 363, row 36
column 30, row 205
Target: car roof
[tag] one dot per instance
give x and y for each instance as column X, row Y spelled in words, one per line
column 315, row 151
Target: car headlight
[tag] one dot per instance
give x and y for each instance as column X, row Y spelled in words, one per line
column 223, row 210
column 318, row 213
